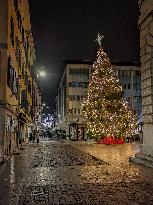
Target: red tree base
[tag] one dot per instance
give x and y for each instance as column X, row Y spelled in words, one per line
column 110, row 140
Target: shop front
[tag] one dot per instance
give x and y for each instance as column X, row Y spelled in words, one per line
column 11, row 134
column 22, row 130
column 76, row 131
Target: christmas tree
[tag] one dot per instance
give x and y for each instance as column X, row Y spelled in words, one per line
column 105, row 110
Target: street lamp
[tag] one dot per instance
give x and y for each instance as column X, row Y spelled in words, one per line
column 41, row 74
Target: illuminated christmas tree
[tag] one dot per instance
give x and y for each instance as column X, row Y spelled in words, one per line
column 105, row 110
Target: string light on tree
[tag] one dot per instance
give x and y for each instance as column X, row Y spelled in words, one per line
column 105, row 110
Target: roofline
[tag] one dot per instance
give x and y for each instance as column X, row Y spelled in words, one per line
column 90, row 62
column 120, row 63
column 77, row 61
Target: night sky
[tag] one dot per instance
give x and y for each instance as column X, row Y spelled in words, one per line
column 66, row 29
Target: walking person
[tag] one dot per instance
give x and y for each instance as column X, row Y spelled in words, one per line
column 30, row 136
column 37, row 137
column 34, row 135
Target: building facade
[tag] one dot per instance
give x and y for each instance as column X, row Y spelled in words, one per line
column 17, row 57
column 129, row 74
column 73, row 88
column 37, row 105
column 146, row 54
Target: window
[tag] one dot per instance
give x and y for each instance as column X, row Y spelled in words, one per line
column 16, row 5
column 26, row 80
column 10, row 75
column 74, row 110
column 78, row 97
column 12, row 31
column 137, row 86
column 138, row 99
column 19, row 20
column 22, row 68
column 70, row 111
column 121, row 73
column 24, row 102
column 116, row 72
column 129, row 86
column 79, row 71
column 22, row 34
column 70, row 84
column 15, row 85
column 127, row 73
column 81, row 97
column 78, row 111
column 138, row 73
column 9, row 72
column 74, row 97
column 76, row 84
column 17, row 48
column 29, row 87
column 70, row 97
column 124, row 85
column 19, row 59
column 12, row 78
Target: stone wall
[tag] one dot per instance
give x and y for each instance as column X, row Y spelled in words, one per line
column 146, row 53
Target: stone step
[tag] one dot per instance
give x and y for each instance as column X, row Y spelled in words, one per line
column 142, row 159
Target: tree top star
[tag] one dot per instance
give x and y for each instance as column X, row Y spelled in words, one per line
column 99, row 39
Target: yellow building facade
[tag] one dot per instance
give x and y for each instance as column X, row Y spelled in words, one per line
column 17, row 57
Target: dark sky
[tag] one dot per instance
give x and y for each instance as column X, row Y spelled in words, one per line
column 66, row 29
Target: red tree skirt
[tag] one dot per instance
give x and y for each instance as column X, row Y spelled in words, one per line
column 110, row 140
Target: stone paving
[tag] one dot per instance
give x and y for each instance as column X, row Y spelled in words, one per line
column 70, row 173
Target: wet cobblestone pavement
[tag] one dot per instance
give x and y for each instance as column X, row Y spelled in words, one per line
column 70, row 173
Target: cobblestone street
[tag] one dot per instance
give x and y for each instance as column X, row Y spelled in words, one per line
column 75, row 173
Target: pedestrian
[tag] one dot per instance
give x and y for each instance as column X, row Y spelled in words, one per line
column 30, row 136
column 50, row 135
column 33, row 136
column 37, row 137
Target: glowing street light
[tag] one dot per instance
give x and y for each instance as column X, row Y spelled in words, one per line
column 41, row 74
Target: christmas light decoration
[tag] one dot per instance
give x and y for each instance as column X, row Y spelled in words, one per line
column 48, row 121
column 105, row 110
